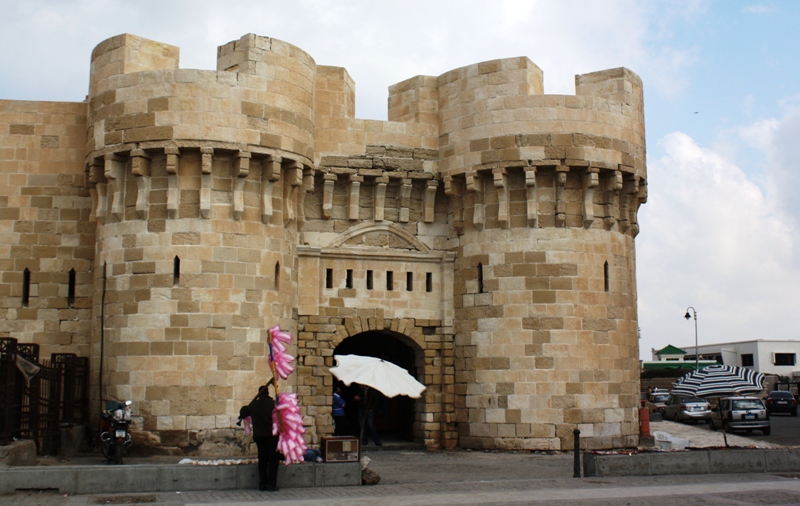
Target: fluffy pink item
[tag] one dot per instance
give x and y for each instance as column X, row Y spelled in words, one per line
column 287, row 424
column 280, row 359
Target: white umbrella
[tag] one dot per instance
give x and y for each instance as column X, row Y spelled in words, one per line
column 387, row 378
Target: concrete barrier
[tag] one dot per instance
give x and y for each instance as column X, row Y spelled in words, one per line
column 755, row 460
column 170, row 478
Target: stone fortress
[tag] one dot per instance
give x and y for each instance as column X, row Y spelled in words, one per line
column 482, row 238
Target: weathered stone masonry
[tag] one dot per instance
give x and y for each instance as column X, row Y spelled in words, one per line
column 486, row 226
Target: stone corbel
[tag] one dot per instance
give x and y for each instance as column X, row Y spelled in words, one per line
column 241, row 170
column 500, row 177
column 98, row 191
column 613, row 185
column 114, row 170
column 429, row 203
column 293, row 179
column 329, row 181
column 532, row 199
column 354, row 195
column 308, row 186
column 627, row 202
column 475, row 185
column 640, row 199
column 207, row 161
column 270, row 174
column 140, row 168
column 405, row 199
column 590, row 181
column 380, row 197
column 173, row 154
column 561, row 203
column 455, row 188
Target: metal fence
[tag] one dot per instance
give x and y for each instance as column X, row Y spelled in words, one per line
column 41, row 396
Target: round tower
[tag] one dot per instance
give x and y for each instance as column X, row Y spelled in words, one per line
column 544, row 192
column 196, row 179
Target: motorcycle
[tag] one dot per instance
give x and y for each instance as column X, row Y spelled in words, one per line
column 115, row 435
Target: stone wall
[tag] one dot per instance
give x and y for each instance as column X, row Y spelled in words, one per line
column 44, row 218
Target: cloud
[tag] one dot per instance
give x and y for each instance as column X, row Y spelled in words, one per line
column 715, row 240
column 379, row 44
column 758, row 9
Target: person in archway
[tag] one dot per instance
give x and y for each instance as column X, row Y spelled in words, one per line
column 260, row 410
column 340, row 425
column 366, row 415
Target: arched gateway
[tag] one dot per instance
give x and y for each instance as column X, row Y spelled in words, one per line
column 395, row 418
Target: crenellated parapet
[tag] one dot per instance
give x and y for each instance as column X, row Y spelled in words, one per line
column 261, row 98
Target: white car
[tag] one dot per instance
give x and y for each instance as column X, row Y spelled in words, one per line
column 741, row 413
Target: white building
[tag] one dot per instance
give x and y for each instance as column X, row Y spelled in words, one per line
column 764, row 356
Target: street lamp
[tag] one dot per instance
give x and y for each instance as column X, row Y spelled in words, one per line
column 696, row 353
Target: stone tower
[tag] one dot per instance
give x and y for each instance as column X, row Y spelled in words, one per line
column 482, row 238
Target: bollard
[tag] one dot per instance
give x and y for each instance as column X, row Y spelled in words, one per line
column 644, row 422
column 577, row 434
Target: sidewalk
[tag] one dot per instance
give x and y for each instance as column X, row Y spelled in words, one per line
column 461, row 477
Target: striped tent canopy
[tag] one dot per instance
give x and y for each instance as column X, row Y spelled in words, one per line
column 719, row 381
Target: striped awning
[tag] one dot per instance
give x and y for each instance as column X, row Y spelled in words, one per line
column 719, row 381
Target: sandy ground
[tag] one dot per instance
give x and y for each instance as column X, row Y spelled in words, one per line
column 701, row 436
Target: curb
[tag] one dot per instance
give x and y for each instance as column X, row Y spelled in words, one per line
column 171, row 478
column 755, row 460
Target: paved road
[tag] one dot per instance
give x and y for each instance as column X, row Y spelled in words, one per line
column 785, row 431
column 411, row 478
column 416, row 478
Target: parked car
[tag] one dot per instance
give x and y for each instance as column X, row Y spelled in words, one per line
column 658, row 398
column 781, row 401
column 741, row 413
column 681, row 408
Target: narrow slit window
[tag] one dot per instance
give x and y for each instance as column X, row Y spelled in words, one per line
column 480, row 278
column 71, row 289
column 428, row 281
column 328, row 278
column 26, row 287
column 369, row 280
column 409, row 281
column 176, row 271
column 605, row 276
column 277, row 275
column 389, row 280
column 349, row 279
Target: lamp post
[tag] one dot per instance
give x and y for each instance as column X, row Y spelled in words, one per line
column 696, row 352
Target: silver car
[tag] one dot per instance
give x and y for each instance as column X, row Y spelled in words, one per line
column 741, row 413
column 681, row 409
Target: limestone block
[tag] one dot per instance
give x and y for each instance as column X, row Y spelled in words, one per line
column 19, row 453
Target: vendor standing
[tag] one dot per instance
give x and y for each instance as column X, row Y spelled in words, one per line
column 260, row 411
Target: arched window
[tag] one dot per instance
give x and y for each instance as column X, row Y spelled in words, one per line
column 480, row 278
column 605, row 275
column 277, row 275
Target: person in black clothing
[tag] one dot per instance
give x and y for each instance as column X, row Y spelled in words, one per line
column 260, row 410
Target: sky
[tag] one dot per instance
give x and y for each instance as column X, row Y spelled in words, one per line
column 720, row 230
